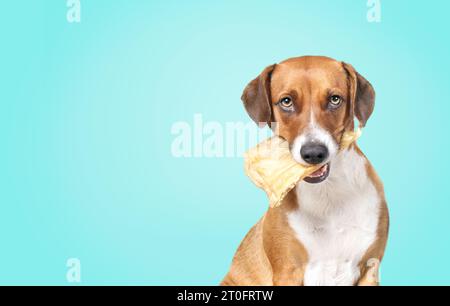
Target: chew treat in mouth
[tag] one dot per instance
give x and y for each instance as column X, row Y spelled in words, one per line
column 271, row 167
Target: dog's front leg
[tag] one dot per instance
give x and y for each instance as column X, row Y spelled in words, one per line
column 288, row 277
column 371, row 275
column 287, row 265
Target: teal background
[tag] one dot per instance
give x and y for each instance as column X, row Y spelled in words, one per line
column 86, row 110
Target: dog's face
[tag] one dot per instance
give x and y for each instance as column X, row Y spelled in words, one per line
column 310, row 102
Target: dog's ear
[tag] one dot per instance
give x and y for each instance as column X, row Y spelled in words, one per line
column 257, row 98
column 362, row 95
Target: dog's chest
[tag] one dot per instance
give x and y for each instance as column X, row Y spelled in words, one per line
column 336, row 222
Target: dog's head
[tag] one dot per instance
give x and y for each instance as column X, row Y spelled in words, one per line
column 312, row 101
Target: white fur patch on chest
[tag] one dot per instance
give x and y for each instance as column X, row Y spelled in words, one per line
column 337, row 221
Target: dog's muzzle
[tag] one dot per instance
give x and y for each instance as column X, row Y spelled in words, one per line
column 314, row 153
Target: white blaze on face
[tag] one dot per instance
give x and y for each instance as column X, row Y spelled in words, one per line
column 316, row 134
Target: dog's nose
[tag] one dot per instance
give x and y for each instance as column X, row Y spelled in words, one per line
column 314, row 153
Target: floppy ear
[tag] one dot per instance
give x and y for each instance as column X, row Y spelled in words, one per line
column 256, row 97
column 362, row 95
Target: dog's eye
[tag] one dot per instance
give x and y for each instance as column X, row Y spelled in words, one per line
column 335, row 101
column 287, row 104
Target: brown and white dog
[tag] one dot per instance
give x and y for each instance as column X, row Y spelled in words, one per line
column 332, row 228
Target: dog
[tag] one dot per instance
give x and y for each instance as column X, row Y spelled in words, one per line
column 332, row 228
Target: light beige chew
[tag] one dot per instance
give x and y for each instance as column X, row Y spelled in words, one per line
column 271, row 167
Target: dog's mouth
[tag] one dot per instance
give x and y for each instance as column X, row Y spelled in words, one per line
column 318, row 176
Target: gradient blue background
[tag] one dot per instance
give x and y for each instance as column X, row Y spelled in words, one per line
column 86, row 110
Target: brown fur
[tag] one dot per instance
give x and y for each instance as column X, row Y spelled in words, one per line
column 270, row 254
